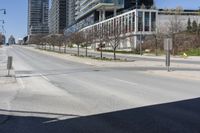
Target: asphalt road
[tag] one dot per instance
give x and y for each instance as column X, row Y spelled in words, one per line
column 57, row 96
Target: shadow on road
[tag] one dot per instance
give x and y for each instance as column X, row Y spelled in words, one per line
column 176, row 117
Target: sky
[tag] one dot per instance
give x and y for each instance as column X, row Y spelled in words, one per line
column 16, row 17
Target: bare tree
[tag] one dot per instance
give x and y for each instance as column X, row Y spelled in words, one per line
column 175, row 25
column 37, row 40
column 52, row 41
column 89, row 39
column 100, row 36
column 158, row 35
column 66, row 41
column 115, row 36
column 59, row 41
column 77, row 38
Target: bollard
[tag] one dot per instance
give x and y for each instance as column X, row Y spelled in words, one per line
column 168, row 48
column 168, row 60
column 9, row 64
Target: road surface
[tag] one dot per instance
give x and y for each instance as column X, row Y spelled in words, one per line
column 56, row 96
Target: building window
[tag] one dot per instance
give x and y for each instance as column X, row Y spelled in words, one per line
column 140, row 21
column 147, row 21
column 129, row 22
column 153, row 21
column 133, row 19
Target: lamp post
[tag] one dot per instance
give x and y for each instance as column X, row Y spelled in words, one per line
column 4, row 11
column 2, row 21
column 141, row 39
column 3, row 30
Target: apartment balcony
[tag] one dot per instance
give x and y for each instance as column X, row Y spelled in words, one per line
column 88, row 6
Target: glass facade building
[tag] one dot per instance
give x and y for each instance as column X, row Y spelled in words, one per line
column 38, row 17
column 58, row 16
column 131, row 25
column 126, row 15
column 83, row 7
column 88, row 12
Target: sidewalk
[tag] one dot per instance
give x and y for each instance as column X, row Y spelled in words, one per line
column 4, row 79
column 8, row 85
column 151, row 56
column 180, row 59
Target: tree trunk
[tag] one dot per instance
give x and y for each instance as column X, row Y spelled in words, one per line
column 86, row 50
column 114, row 53
column 101, row 53
column 156, row 47
column 65, row 48
column 53, row 48
column 173, row 44
column 78, row 49
column 59, row 48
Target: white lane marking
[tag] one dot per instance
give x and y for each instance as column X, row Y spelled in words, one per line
column 128, row 82
column 44, row 77
column 21, row 83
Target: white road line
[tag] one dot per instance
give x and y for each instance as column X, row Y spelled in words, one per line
column 128, row 82
column 21, row 83
column 44, row 77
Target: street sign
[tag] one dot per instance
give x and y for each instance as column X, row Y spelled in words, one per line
column 168, row 44
column 9, row 64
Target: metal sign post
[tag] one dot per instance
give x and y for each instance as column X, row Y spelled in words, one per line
column 9, row 64
column 168, row 48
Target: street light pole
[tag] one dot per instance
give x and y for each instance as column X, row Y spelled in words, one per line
column 4, row 11
column 4, row 31
column 3, row 21
column 141, row 39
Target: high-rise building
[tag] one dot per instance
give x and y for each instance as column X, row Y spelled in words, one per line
column 38, row 17
column 98, row 8
column 88, row 12
column 58, row 16
column 101, row 9
column 71, row 11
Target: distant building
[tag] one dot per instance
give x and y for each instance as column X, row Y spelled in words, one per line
column 167, row 17
column 2, row 39
column 20, row 41
column 58, row 16
column 38, row 17
column 11, row 40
